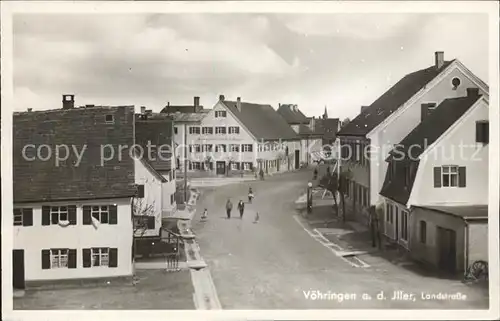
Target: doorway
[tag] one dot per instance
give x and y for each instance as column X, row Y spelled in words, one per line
column 220, row 168
column 18, row 269
column 447, row 249
column 297, row 159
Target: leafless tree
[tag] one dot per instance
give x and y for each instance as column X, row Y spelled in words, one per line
column 141, row 212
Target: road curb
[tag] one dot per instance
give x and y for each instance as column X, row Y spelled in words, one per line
column 205, row 295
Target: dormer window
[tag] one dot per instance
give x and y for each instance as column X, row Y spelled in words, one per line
column 220, row 114
column 110, row 119
column 483, row 132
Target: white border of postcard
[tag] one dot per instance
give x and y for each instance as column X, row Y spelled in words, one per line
column 96, row 7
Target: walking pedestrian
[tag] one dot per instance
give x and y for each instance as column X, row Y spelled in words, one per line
column 261, row 173
column 229, row 208
column 204, row 216
column 241, row 208
column 250, row 195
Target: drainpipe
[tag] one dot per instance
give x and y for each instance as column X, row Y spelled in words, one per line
column 185, row 162
column 466, row 246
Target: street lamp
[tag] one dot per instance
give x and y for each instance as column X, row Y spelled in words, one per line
column 309, row 197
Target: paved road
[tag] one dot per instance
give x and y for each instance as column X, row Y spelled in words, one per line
column 274, row 264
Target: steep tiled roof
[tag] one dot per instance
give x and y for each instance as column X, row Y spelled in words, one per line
column 152, row 170
column 291, row 115
column 426, row 133
column 158, row 129
column 327, row 128
column 188, row 117
column 170, row 109
column 37, row 180
column 391, row 100
column 262, row 121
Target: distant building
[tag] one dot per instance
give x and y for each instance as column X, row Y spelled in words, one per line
column 238, row 137
column 311, row 143
column 185, row 109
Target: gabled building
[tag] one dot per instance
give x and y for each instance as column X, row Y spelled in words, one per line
column 238, row 137
column 369, row 137
column 72, row 206
column 184, row 109
column 311, row 143
column 436, row 187
column 155, row 168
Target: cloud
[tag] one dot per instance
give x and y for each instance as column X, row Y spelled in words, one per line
column 340, row 60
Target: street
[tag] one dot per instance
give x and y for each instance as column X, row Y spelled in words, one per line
column 276, row 264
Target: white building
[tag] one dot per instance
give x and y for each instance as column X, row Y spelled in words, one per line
column 72, row 218
column 393, row 116
column 436, row 188
column 237, row 138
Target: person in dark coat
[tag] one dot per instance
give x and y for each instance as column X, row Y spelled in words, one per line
column 261, row 174
column 229, row 208
column 250, row 195
column 241, row 208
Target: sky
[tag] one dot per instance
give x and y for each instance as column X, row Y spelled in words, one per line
column 338, row 61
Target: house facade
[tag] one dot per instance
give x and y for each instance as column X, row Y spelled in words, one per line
column 368, row 138
column 159, row 159
column 310, row 143
column 69, row 222
column 435, row 193
column 238, row 137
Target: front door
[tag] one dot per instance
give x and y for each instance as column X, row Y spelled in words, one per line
column 221, row 168
column 18, row 269
column 297, row 159
column 447, row 249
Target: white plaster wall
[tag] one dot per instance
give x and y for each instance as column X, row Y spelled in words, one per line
column 33, row 239
column 152, row 196
column 447, row 152
column 405, row 122
column 478, row 242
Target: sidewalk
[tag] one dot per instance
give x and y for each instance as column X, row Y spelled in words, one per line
column 205, row 295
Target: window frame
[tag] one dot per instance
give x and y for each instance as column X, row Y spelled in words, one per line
column 207, row 130
column 423, row 232
column 450, row 174
column 234, row 148
column 100, row 213
column 220, row 130
column 194, row 130
column 58, row 255
column 246, row 147
column 98, row 252
column 218, row 148
column 233, row 130
column 19, row 214
column 404, row 235
column 59, row 214
column 218, row 114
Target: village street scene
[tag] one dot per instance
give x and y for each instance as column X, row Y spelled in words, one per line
column 173, row 175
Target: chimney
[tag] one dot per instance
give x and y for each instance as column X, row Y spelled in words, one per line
column 196, row 104
column 472, row 92
column 68, row 101
column 295, row 108
column 143, row 110
column 439, row 59
column 221, row 98
column 426, row 110
column 238, row 103
column 363, row 108
column 30, row 110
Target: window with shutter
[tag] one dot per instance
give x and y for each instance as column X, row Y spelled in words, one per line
column 423, row 231
column 45, row 259
column 140, row 191
column 72, row 259
column 482, row 132
column 72, row 214
column 86, row 258
column 45, row 215
column 113, row 214
column 461, row 176
column 27, row 217
column 87, row 220
column 437, row 176
column 113, row 257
